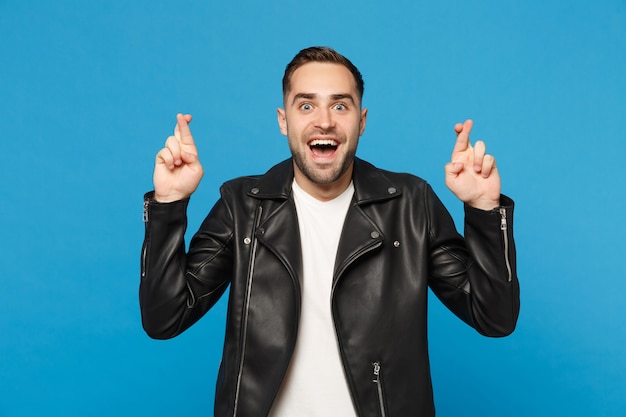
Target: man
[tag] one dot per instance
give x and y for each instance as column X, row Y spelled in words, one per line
column 328, row 260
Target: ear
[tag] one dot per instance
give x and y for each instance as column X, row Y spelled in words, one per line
column 363, row 121
column 282, row 121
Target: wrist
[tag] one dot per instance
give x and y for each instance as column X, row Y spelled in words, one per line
column 168, row 198
column 484, row 204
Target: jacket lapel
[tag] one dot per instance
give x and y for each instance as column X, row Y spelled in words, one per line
column 280, row 233
column 278, row 229
column 360, row 233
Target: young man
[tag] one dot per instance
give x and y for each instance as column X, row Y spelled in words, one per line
column 328, row 260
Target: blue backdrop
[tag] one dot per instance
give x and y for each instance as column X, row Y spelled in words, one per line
column 88, row 94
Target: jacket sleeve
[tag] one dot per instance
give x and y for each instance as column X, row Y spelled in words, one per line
column 177, row 288
column 476, row 277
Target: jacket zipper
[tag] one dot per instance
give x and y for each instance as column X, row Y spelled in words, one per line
column 504, row 227
column 145, row 211
column 257, row 221
column 379, row 388
column 144, row 249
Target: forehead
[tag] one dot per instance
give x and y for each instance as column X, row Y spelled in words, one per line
column 323, row 78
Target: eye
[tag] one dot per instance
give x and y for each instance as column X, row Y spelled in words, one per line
column 306, row 106
column 340, row 107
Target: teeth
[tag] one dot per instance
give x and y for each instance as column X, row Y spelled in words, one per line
column 323, row 142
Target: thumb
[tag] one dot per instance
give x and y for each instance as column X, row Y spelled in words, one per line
column 453, row 168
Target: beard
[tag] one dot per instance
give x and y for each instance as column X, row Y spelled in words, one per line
column 323, row 174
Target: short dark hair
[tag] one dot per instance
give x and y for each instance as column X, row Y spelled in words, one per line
column 321, row 54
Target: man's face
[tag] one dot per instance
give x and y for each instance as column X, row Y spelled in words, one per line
column 322, row 120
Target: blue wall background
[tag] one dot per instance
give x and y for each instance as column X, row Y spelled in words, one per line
column 88, row 94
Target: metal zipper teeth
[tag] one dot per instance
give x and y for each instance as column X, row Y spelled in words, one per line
column 145, row 211
column 144, row 249
column 247, row 309
column 504, row 227
column 379, row 388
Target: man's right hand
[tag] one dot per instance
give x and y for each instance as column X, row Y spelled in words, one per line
column 177, row 170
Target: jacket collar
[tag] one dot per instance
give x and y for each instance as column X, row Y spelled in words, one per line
column 370, row 183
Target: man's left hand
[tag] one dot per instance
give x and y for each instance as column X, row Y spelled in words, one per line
column 472, row 174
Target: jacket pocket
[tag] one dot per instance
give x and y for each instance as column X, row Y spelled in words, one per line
column 377, row 379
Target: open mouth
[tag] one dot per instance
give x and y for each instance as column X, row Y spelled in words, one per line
column 323, row 147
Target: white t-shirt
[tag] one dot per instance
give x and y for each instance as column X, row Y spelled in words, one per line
column 315, row 384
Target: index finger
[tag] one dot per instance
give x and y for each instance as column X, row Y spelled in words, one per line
column 462, row 136
column 182, row 131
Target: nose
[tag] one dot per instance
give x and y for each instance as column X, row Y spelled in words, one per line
column 324, row 120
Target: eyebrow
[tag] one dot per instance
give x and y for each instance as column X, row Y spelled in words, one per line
column 333, row 97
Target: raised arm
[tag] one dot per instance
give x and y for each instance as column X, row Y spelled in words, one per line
column 171, row 295
column 483, row 289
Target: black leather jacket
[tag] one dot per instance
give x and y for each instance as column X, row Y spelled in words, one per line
column 397, row 241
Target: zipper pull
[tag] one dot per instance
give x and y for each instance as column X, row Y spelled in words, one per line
column 379, row 388
column 145, row 211
column 503, row 227
column 376, row 372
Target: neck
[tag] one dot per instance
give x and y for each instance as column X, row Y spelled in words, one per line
column 324, row 192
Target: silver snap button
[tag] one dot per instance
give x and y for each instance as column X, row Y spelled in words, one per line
column 254, row 190
column 375, row 235
column 392, row 190
column 396, row 243
column 246, row 240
